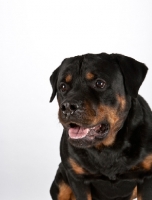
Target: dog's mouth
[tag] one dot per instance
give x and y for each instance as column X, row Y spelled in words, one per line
column 77, row 132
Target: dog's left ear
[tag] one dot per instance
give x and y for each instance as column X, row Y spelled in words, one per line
column 133, row 72
column 53, row 81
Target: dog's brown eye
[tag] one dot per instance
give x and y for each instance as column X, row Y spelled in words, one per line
column 63, row 87
column 100, row 83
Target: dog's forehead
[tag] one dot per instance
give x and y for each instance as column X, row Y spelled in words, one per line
column 97, row 64
column 87, row 66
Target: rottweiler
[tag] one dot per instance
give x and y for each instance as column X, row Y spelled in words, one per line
column 106, row 145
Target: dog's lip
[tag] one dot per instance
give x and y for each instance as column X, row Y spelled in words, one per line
column 77, row 131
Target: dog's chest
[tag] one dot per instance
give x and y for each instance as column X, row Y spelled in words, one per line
column 105, row 163
column 112, row 190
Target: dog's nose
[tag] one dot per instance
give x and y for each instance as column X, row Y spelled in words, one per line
column 69, row 108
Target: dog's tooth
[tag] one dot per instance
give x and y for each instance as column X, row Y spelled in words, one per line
column 93, row 127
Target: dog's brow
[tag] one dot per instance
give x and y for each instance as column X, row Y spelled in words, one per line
column 68, row 78
column 89, row 76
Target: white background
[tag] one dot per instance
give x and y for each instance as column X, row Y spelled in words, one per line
column 35, row 36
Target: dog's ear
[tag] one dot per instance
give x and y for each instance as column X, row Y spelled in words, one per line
column 133, row 72
column 53, row 81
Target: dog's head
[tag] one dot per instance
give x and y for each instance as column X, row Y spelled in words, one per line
column 94, row 94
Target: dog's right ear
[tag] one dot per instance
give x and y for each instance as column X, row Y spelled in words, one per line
column 133, row 72
column 53, row 81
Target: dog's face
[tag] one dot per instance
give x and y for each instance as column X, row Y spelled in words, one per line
column 93, row 98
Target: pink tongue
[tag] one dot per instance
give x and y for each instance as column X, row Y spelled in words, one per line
column 78, row 132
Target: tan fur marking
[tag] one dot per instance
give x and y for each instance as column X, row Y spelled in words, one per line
column 139, row 197
column 122, row 101
column 89, row 76
column 76, row 168
column 65, row 192
column 134, row 194
column 89, row 197
column 68, row 78
column 147, row 163
column 115, row 118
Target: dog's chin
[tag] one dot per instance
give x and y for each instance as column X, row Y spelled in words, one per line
column 85, row 137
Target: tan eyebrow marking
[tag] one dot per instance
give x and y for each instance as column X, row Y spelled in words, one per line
column 68, row 78
column 89, row 76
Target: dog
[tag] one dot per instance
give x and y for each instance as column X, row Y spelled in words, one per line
column 106, row 145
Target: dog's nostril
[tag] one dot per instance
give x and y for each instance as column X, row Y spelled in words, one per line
column 63, row 108
column 73, row 107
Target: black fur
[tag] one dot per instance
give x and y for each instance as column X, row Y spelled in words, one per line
column 117, row 158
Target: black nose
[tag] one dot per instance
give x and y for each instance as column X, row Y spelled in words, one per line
column 69, row 108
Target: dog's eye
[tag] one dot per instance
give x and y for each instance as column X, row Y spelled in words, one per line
column 100, row 84
column 63, row 87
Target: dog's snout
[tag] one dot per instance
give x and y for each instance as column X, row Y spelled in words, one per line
column 69, row 108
